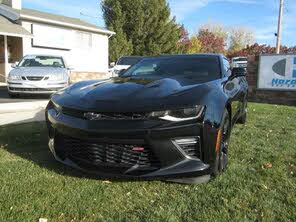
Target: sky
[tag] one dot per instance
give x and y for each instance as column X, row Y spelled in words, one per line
column 258, row 15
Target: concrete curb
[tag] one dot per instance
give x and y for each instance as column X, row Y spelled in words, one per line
column 22, row 107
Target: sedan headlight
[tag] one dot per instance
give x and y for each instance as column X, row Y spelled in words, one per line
column 14, row 77
column 56, row 77
column 179, row 114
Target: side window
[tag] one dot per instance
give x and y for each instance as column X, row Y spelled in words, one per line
column 226, row 67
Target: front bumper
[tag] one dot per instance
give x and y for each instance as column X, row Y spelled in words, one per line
column 42, row 87
column 135, row 149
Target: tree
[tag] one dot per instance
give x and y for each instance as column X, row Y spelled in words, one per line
column 240, row 37
column 119, row 44
column 195, row 45
column 184, row 43
column 257, row 49
column 147, row 25
column 217, row 29
column 210, row 42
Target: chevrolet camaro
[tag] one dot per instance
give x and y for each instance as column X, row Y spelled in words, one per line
column 167, row 117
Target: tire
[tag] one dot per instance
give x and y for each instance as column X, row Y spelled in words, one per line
column 242, row 119
column 222, row 154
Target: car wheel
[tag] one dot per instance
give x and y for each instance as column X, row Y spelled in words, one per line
column 222, row 154
column 242, row 119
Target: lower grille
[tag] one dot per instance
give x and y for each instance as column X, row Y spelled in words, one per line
column 33, row 89
column 34, row 78
column 190, row 146
column 106, row 157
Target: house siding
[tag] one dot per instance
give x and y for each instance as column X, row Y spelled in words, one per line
column 92, row 59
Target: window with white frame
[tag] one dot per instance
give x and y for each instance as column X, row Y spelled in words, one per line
column 83, row 40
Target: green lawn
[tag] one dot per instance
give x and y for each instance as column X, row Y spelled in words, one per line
column 259, row 185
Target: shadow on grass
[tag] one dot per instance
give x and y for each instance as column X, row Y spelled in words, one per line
column 29, row 141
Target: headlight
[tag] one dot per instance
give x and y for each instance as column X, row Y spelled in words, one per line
column 179, row 114
column 56, row 77
column 14, row 77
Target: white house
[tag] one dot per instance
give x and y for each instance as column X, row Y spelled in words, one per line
column 25, row 31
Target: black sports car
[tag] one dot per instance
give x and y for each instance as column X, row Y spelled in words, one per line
column 166, row 117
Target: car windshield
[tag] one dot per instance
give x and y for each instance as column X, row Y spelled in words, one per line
column 42, row 61
column 128, row 61
column 200, row 67
column 240, row 60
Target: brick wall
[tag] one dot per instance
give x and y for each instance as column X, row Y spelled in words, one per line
column 266, row 96
column 79, row 76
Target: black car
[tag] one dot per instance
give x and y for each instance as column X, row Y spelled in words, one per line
column 167, row 117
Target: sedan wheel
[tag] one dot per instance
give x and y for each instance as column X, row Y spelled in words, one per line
column 222, row 157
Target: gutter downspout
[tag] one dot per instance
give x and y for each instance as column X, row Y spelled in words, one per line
column 110, row 35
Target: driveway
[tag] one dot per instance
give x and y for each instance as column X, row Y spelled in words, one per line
column 28, row 108
column 4, row 98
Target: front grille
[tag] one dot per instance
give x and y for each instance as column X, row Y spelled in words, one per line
column 105, row 116
column 108, row 157
column 115, row 116
column 34, row 78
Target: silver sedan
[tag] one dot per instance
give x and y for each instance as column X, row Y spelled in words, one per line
column 38, row 74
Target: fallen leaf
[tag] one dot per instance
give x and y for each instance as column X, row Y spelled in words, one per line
column 107, row 181
column 267, row 166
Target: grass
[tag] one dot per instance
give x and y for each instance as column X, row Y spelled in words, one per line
column 259, row 185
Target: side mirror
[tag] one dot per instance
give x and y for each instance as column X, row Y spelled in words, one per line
column 238, row 72
column 112, row 64
column 14, row 65
column 70, row 68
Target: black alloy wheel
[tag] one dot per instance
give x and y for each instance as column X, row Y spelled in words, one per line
column 222, row 157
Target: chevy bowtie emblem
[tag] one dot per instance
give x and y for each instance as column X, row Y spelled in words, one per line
column 92, row 116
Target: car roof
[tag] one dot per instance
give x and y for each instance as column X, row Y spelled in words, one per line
column 187, row 55
column 132, row 57
column 44, row 55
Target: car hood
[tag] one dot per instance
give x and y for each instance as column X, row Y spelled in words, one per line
column 134, row 94
column 37, row 71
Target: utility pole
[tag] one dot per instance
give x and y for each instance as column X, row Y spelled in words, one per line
column 279, row 33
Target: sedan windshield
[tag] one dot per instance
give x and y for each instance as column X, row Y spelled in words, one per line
column 42, row 61
column 200, row 67
column 129, row 61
